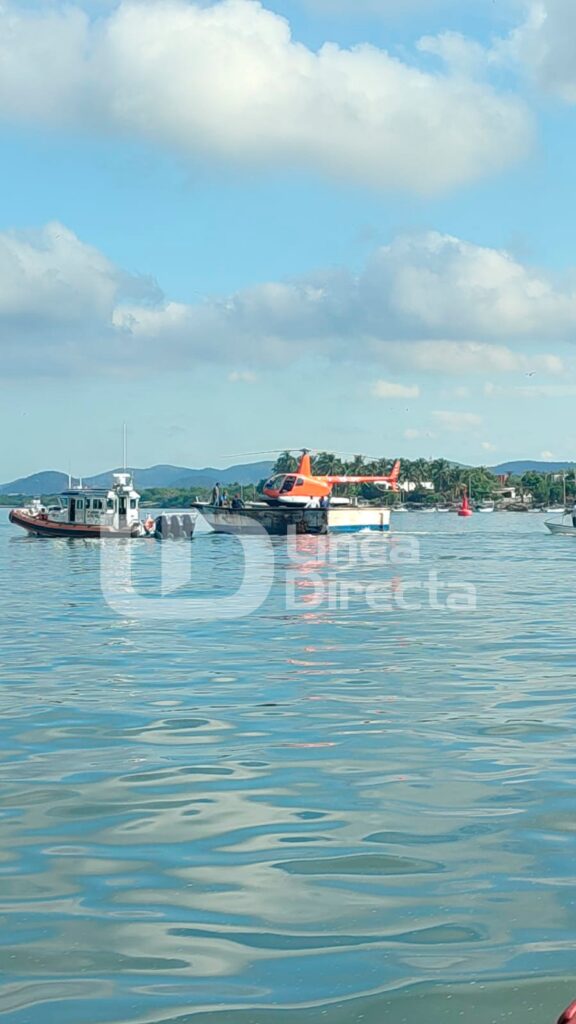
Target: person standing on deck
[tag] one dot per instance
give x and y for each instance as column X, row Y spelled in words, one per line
column 215, row 498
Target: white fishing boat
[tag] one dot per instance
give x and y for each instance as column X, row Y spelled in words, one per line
column 486, row 506
column 562, row 525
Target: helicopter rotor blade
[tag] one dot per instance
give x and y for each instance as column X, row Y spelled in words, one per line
column 302, row 450
column 245, row 455
column 269, row 451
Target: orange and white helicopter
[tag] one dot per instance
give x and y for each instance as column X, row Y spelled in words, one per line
column 304, row 487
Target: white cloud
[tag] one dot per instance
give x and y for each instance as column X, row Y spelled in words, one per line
column 488, row 446
column 389, row 389
column 49, row 276
column 228, row 82
column 382, row 8
column 546, row 45
column 64, row 306
column 413, row 434
column 529, row 391
column 58, row 298
column 546, row 391
column 547, row 456
column 448, row 288
column 242, row 377
column 468, row 357
column 457, row 422
column 459, row 53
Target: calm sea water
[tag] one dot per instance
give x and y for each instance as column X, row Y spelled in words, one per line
column 324, row 813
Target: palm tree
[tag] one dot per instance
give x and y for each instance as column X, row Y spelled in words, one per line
column 482, row 482
column 326, row 464
column 420, row 471
column 285, row 463
column 441, row 475
column 357, row 467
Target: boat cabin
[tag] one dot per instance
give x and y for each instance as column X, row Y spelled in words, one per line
column 117, row 507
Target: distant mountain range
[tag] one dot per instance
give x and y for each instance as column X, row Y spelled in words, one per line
column 52, row 482
column 181, row 478
column 518, row 468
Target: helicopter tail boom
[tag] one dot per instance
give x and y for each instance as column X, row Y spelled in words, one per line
column 391, row 480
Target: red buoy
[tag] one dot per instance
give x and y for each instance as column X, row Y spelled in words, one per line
column 465, row 509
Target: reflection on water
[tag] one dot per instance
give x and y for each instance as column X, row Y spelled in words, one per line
column 313, row 814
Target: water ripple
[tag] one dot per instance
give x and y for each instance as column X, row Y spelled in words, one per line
column 329, row 813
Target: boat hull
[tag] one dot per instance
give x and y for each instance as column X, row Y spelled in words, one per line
column 356, row 519
column 277, row 521
column 281, row 521
column 567, row 530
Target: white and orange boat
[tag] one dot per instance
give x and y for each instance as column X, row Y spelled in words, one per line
column 88, row 512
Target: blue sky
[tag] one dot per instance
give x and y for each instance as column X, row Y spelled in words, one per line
column 241, row 226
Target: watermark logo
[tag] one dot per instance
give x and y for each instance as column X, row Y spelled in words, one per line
column 232, row 577
column 342, row 574
column 170, row 599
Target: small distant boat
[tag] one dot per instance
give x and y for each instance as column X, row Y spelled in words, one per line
column 486, row 506
column 563, row 526
column 465, row 509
